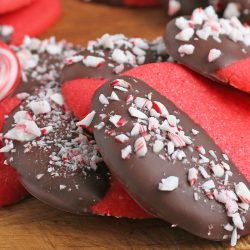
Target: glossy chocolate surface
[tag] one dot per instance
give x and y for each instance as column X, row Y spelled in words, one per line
column 141, row 176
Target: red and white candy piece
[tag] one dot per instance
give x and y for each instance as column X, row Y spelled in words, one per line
column 126, row 152
column 192, row 176
column 87, row 120
column 93, row 61
column 9, row 71
column 243, row 192
column 160, row 109
column 140, row 147
column 121, row 83
column 25, row 130
column 117, row 120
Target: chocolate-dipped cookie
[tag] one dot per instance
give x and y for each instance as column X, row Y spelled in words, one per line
column 110, row 55
column 56, row 160
column 35, row 57
column 214, row 47
column 168, row 163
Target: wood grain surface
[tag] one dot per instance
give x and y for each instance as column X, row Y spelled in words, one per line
column 33, row 225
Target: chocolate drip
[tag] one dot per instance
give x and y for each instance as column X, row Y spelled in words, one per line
column 203, row 217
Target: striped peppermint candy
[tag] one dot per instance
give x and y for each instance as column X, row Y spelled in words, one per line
column 9, row 71
column 140, row 147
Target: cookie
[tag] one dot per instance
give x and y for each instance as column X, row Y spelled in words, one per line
column 215, row 48
column 23, row 23
column 9, row 6
column 6, row 32
column 57, row 161
column 10, row 71
column 78, row 91
column 166, row 160
column 129, row 3
column 41, row 62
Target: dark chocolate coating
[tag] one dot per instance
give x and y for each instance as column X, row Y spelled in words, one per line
column 84, row 187
column 198, row 61
column 79, row 70
column 141, row 176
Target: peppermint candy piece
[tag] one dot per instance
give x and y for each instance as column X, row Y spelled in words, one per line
column 140, row 147
column 25, row 130
column 192, row 176
column 9, row 71
column 87, row 120
column 169, row 184
column 243, row 192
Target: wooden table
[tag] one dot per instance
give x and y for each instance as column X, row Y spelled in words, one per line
column 33, row 225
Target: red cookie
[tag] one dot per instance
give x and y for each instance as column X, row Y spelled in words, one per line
column 215, row 48
column 30, row 20
column 9, row 6
column 210, row 103
column 11, row 190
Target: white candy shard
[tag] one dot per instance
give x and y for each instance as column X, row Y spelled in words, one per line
column 140, row 147
column 169, row 184
column 122, row 138
column 238, row 221
column 103, row 99
column 22, row 115
column 114, row 96
column 7, row 148
column 185, row 35
column 87, row 120
column 208, row 185
column 186, row 49
column 218, row 169
column 158, row 146
column 57, row 98
column 137, row 113
column 39, row 107
column 213, row 55
column 170, row 146
column 153, row 123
